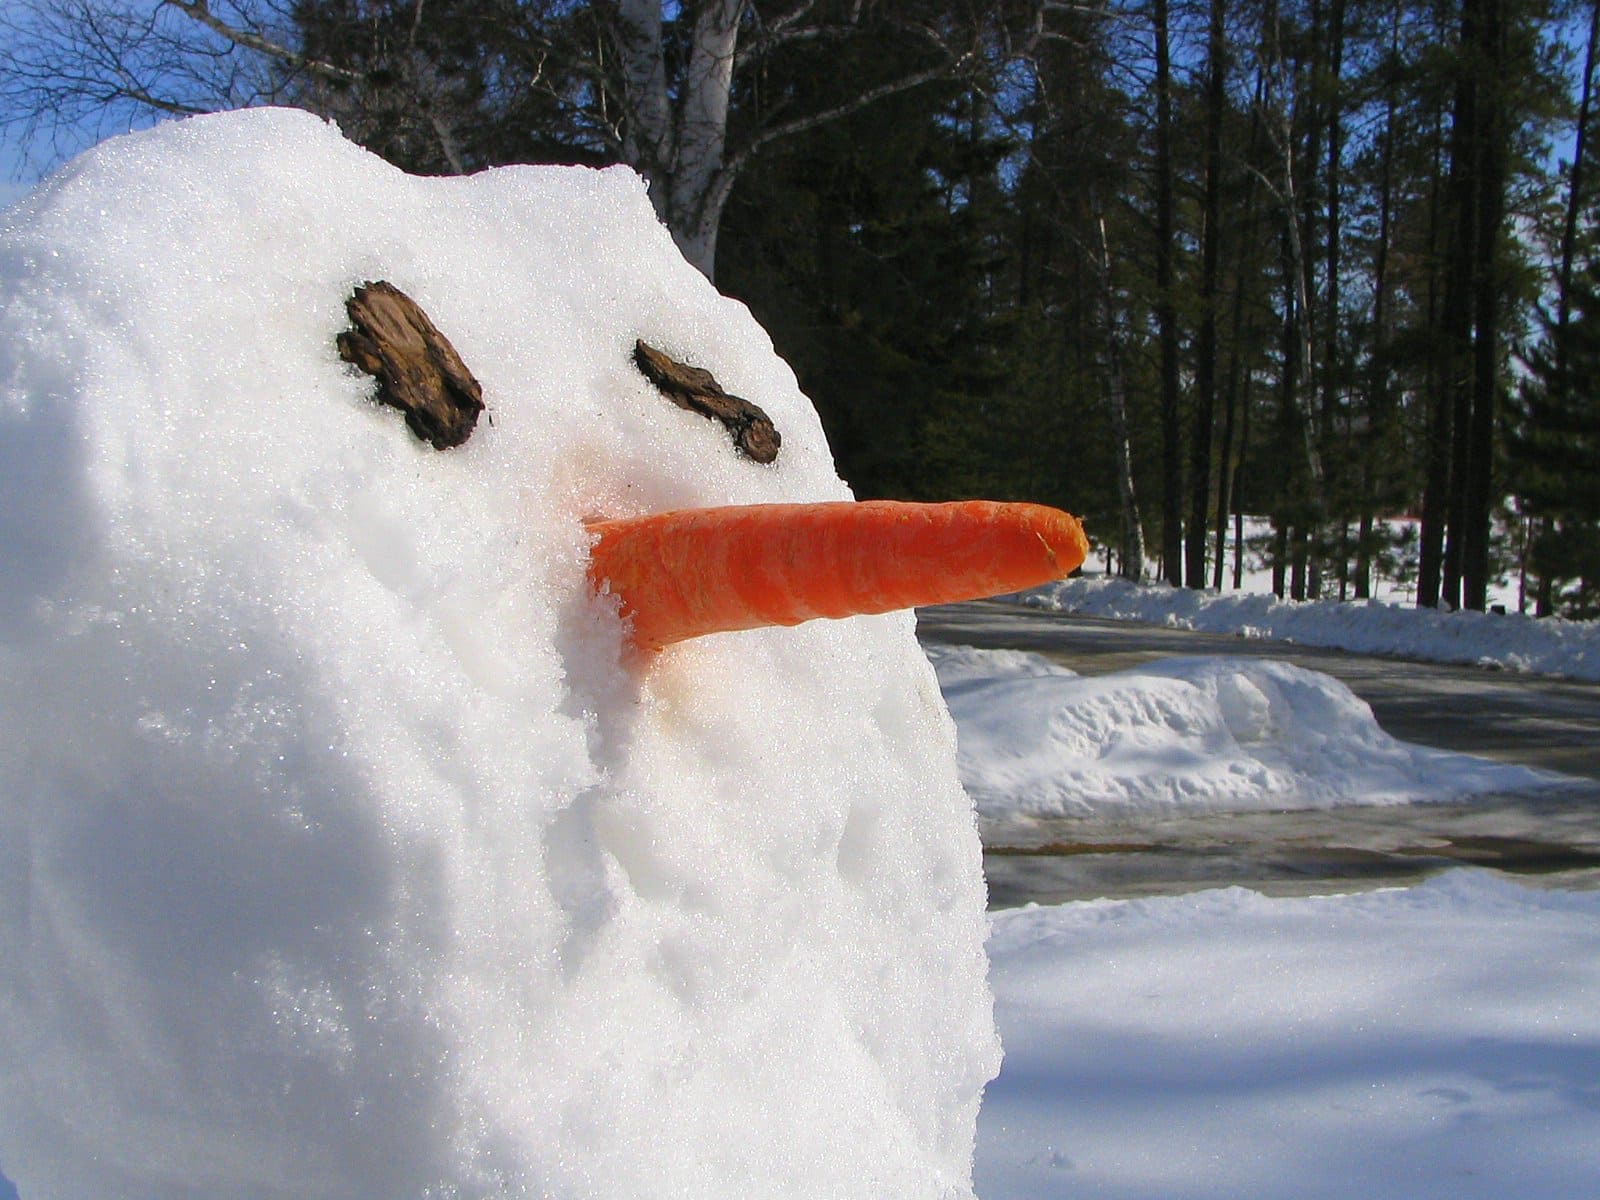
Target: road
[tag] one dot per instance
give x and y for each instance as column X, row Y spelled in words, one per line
column 1535, row 721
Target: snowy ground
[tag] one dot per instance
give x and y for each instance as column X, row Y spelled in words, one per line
column 1439, row 1040
column 1549, row 646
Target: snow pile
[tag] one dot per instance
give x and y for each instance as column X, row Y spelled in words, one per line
column 1037, row 740
column 1550, row 645
column 1442, row 1040
column 340, row 853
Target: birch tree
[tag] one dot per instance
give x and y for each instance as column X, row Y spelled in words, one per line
column 654, row 85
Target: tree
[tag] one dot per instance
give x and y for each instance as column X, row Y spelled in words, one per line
column 867, row 247
column 643, row 82
column 1166, row 308
column 1555, row 375
column 1555, row 452
column 1206, row 339
column 1500, row 96
column 1081, row 273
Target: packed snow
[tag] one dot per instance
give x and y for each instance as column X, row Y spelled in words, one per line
column 1548, row 645
column 1436, row 1041
column 342, row 852
column 1185, row 734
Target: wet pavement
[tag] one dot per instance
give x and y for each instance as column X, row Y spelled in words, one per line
column 1551, row 839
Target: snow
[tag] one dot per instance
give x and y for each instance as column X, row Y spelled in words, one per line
column 1185, row 735
column 344, row 853
column 1436, row 1041
column 1549, row 645
column 341, row 852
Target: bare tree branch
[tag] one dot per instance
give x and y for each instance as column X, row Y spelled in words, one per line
column 200, row 11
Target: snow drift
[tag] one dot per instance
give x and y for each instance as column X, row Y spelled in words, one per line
column 1186, row 734
column 340, row 853
column 1545, row 646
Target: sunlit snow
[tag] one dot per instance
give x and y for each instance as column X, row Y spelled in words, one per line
column 1549, row 645
column 341, row 855
column 1436, row 1041
column 1185, row 735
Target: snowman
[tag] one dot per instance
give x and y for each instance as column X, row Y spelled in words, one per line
column 386, row 822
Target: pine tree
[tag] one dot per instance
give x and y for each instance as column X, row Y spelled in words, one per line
column 868, row 250
column 1555, row 452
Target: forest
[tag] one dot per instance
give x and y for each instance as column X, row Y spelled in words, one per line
column 1169, row 264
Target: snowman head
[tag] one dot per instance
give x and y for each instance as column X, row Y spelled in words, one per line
column 345, row 848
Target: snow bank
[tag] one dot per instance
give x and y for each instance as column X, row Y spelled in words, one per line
column 340, row 855
column 1438, row 1041
column 1037, row 740
column 1550, row 646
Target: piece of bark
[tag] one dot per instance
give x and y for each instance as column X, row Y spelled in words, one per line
column 418, row 370
column 696, row 390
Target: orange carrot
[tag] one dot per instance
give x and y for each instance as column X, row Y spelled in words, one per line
column 696, row 571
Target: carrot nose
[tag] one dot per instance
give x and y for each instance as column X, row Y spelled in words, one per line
column 695, row 571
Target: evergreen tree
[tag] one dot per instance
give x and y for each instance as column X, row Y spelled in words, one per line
column 1555, row 452
column 868, row 249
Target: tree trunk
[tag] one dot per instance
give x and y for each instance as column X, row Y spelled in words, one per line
column 1286, row 515
column 1478, row 490
column 675, row 107
column 1333, row 347
column 1297, row 413
column 1471, row 319
column 1231, row 395
column 1131, row 558
column 1205, row 390
column 647, row 135
column 1373, row 469
column 1166, row 315
column 700, row 181
column 1442, row 324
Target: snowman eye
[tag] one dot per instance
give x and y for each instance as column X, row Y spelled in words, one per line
column 698, row 391
column 418, row 370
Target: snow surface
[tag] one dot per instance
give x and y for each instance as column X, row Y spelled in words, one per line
column 1549, row 645
column 1185, row 734
column 1438, row 1041
column 341, row 854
